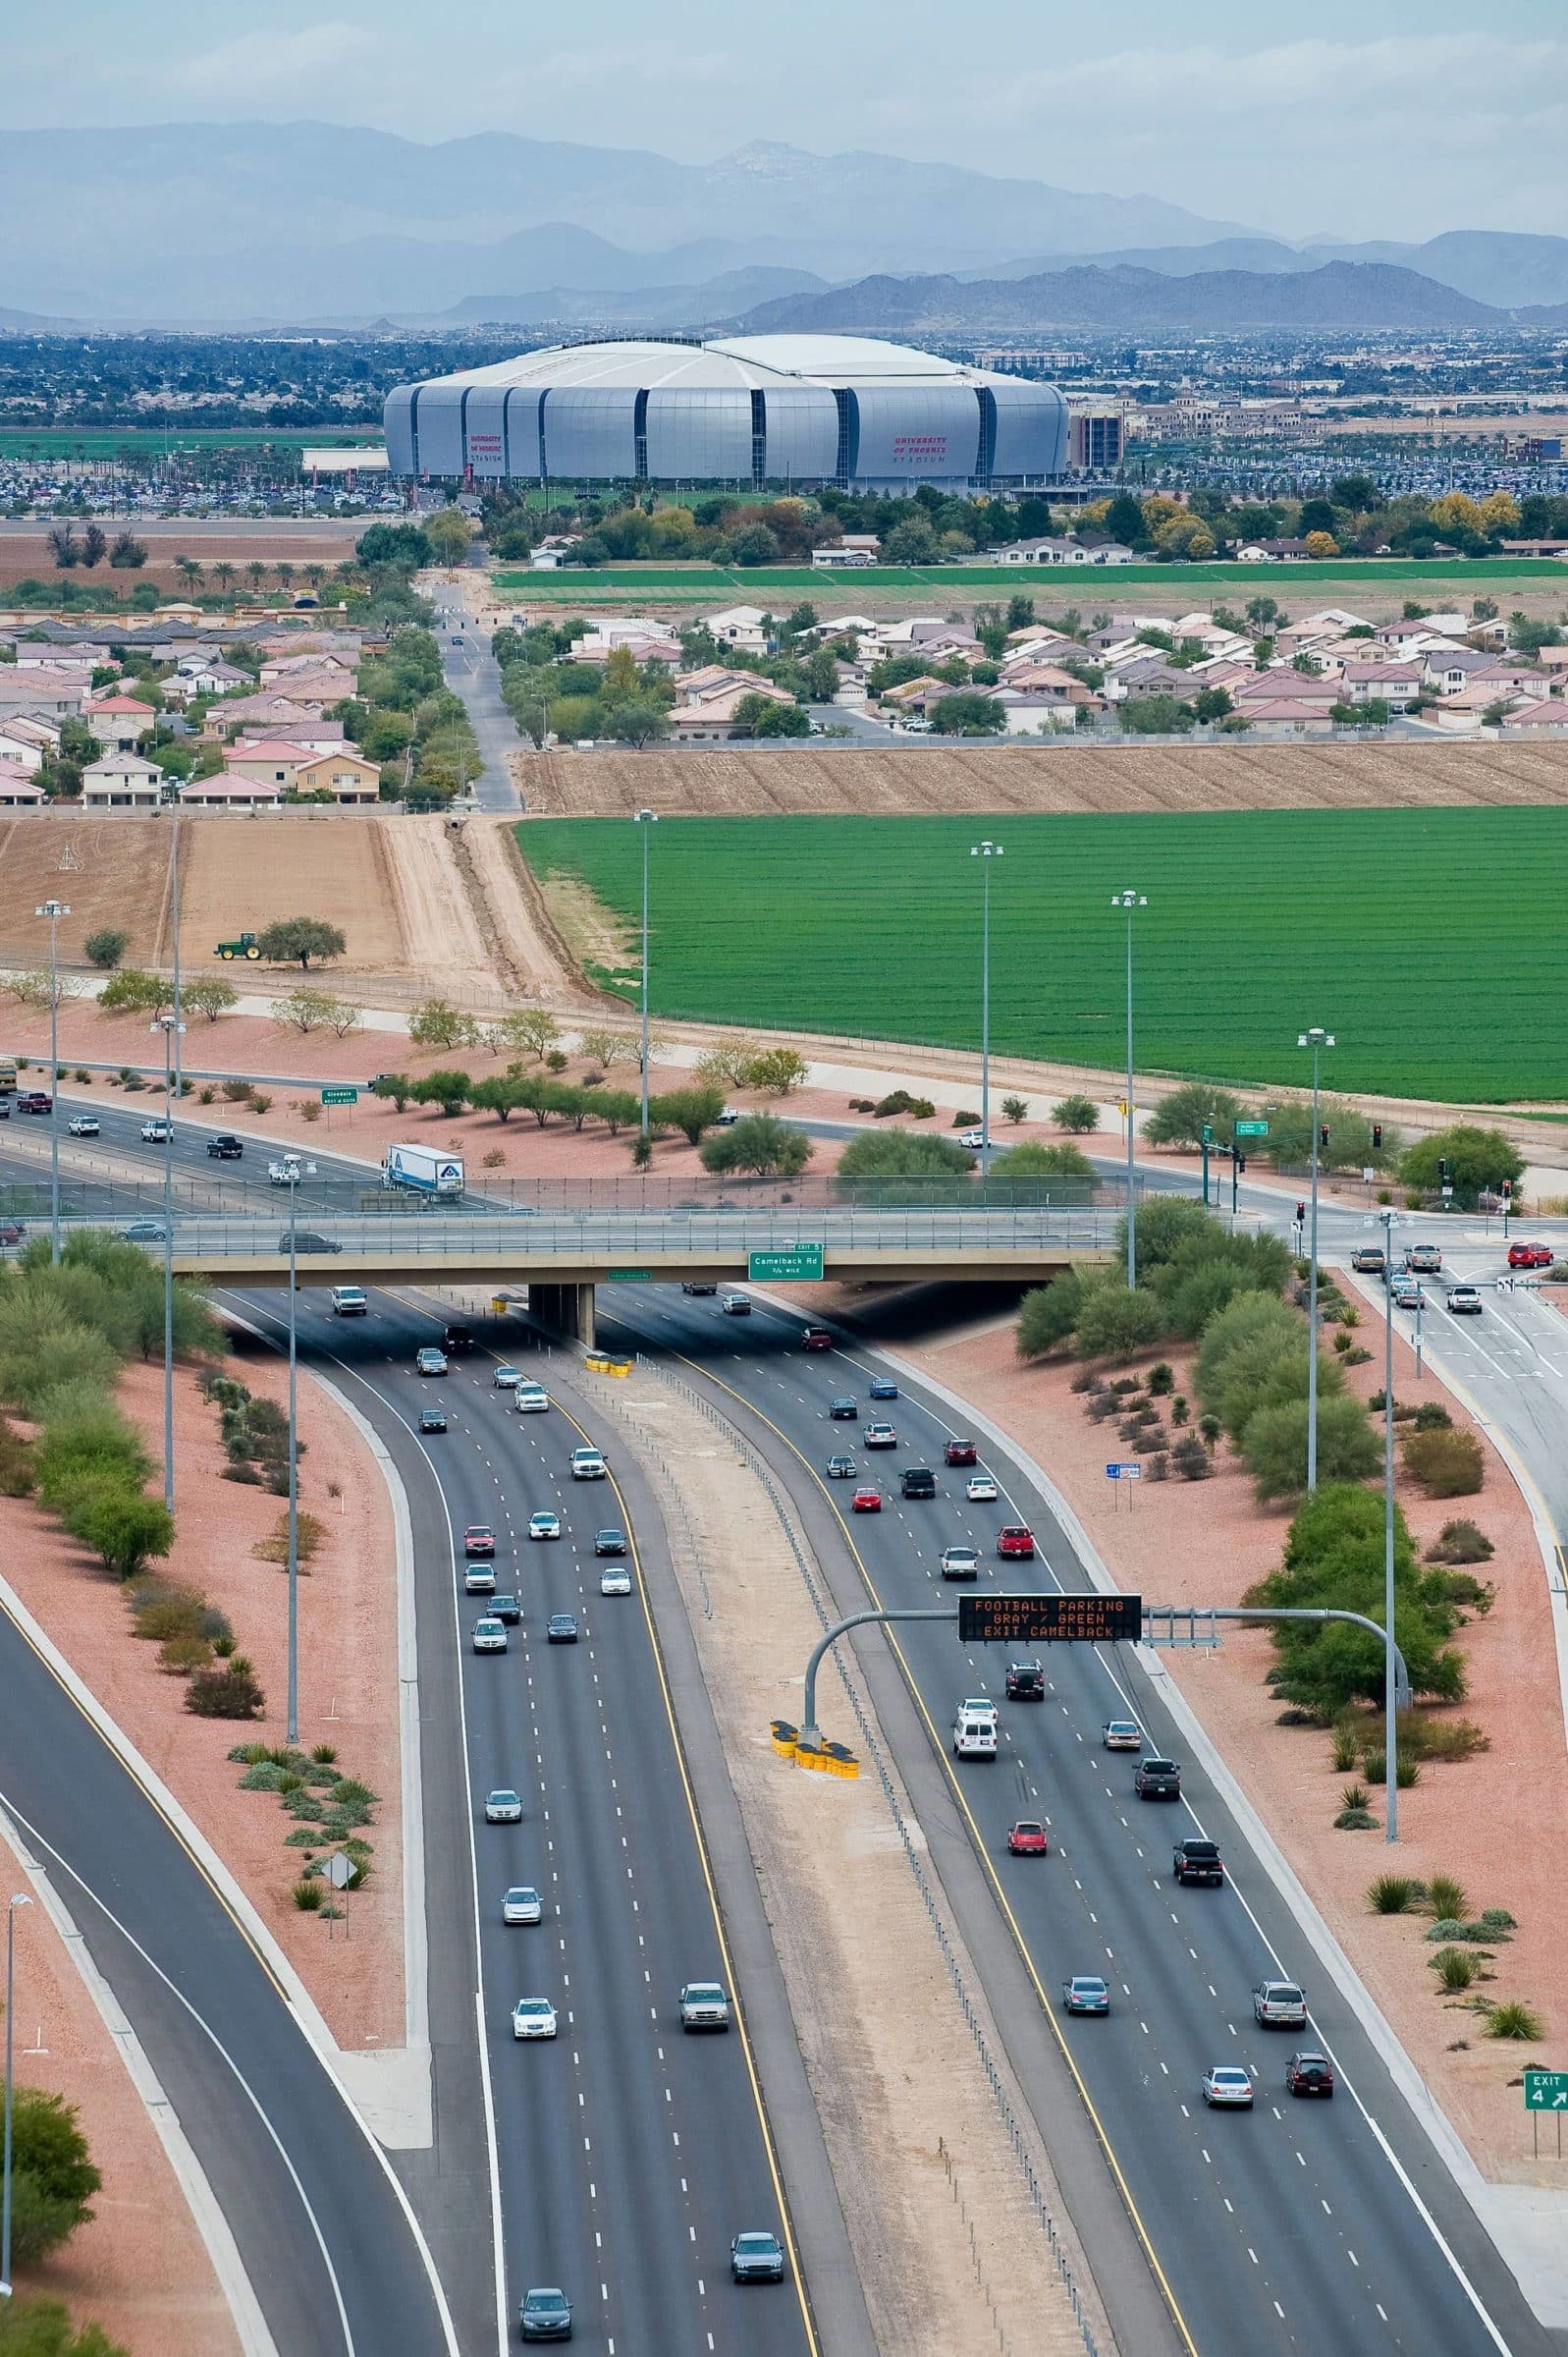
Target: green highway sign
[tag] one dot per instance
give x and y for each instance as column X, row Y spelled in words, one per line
column 631, row 1277
column 340, row 1096
column 1252, row 1128
column 800, row 1264
column 1546, row 2090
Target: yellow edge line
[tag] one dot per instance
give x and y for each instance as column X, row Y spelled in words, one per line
column 147, row 1793
column 984, row 1854
column 712, row 1896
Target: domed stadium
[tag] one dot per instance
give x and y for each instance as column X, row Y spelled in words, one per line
column 789, row 409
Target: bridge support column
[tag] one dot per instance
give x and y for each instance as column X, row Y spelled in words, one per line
column 567, row 1309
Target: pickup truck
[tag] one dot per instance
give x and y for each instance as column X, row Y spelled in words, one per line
column 1197, row 1861
column 226, row 1147
column 918, row 1481
column 588, row 1464
column 1158, row 1779
column 1370, row 1259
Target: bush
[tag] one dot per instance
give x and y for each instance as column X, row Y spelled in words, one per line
column 53, row 2178
column 181, row 1654
column 1354, row 1821
column 307, row 1896
column 1445, row 1897
column 1078, row 1115
column 1015, row 1109
column 968, row 1119
column 1178, row 1408
column 1191, row 1458
column 1353, row 1795
column 1515, row 2020
column 900, row 1100
column 1455, row 1970
column 1346, row 1750
column 1395, row 1894
column 324, row 1754
column 261, row 1103
column 124, row 1528
column 1115, row 1322
column 1048, row 1314
column 1158, row 1466
column 1274, row 1447
column 1460, row 1542
column 1431, row 1417
column 1162, row 1380
column 1447, row 1465
column 43, row 2328
column 230, row 1689
column 759, row 1146
column 175, row 1613
column 106, row 948
column 17, row 1472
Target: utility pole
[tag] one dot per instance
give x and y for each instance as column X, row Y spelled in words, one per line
column 985, row 852
column 647, row 820
column 18, row 1898
column 1317, row 1039
column 1390, row 1755
column 1129, row 901
column 54, row 910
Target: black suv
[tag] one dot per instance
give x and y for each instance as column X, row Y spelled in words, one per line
column 1197, row 1862
column 1158, row 1779
column 918, row 1481
column 226, row 1147
column 458, row 1340
column 1026, row 1682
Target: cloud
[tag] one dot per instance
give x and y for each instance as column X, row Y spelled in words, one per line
column 259, row 64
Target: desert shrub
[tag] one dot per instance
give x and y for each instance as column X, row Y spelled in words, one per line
column 263, row 1776
column 1455, row 1970
column 349, row 1793
column 1124, row 1386
column 307, row 1896
column 1114, row 1321
column 259, row 1103
column 1446, row 1897
column 1274, row 1446
column 1048, row 1315
column 310, row 1531
column 918, row 1109
column 1431, row 1417
column 1147, row 1438
column 180, row 1655
column 1162, row 1380
column 171, row 1613
column 1211, row 1429
column 1461, row 1542
column 53, row 2178
column 1496, row 1923
column 1515, row 2020
column 1346, row 1750
column 124, row 1528
column 17, row 1472
column 1395, row 1894
column 324, row 1754
column 1462, row 1588
column 1354, row 1821
column 968, row 1117
column 1191, row 1458
column 230, row 1689
column 1101, row 1407
column 1015, row 1109
column 1353, row 1797
column 1077, row 1114
column 1085, row 1380
column 1178, row 1408
column 1158, row 1466
column 1342, row 1343
column 1447, row 1465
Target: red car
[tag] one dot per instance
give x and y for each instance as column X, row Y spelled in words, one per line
column 961, row 1453
column 866, row 1501
column 1017, row 1539
column 1026, row 1840
column 478, row 1539
column 816, row 1338
column 1310, row 2074
column 1530, row 1256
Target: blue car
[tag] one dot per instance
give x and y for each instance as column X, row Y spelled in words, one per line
column 883, row 1387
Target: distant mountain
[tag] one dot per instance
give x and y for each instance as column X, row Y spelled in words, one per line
column 1495, row 266
column 1340, row 295
column 655, row 308
column 303, row 220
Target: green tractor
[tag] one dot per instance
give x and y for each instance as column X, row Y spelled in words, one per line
column 247, row 946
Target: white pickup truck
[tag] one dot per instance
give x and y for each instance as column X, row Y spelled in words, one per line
column 588, row 1464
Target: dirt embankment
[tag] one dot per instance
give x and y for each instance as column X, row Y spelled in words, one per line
column 744, row 781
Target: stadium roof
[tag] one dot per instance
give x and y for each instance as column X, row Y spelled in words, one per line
column 748, row 363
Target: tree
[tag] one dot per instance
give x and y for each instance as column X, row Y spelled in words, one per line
column 392, row 547
column 1322, row 544
column 451, row 1090
column 1015, row 1109
column 1274, row 1446
column 129, row 554
column 1124, row 521
column 210, row 996
column 904, row 1154
column 601, row 1045
column 1479, row 1161
column 124, row 1530
column 1265, row 614
column 1078, row 1115
column 1033, row 1160
column 637, row 724
column 777, row 1069
column 1048, row 1313
column 64, row 546
column 53, row 2176
column 1350, row 1145
column 729, row 1057
column 223, row 574
column 448, row 533
column 301, row 937
column 396, row 1086
column 438, row 1023
column 1155, row 716
column 190, row 571
column 129, row 991
column 43, row 2328
column 1179, row 1119
column 1211, row 704
column 968, row 713
column 106, row 948
column 767, row 717
column 94, row 546
column 760, row 1145
column 532, row 1029
column 1116, row 1323
column 755, row 545
column 501, row 1097
column 912, row 541
column 691, row 1111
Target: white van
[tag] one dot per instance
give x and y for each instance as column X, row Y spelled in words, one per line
column 974, row 1735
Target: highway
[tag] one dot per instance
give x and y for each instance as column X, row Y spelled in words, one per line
column 628, row 2151
column 472, row 673
column 1299, row 2226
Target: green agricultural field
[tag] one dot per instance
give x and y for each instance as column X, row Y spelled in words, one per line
column 143, row 441
column 1085, row 587
column 1430, row 942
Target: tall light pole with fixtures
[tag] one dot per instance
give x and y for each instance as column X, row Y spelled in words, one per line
column 296, row 1172
column 647, row 820
column 18, row 1898
column 1390, row 1755
column 985, row 852
column 1129, row 901
column 1317, row 1039
column 171, row 1027
column 54, row 910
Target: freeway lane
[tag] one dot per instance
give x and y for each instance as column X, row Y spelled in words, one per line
column 1297, row 2228
column 324, row 2238
column 628, row 2151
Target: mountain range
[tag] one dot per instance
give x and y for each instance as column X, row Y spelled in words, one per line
column 305, row 223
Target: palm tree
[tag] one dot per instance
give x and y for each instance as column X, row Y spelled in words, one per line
column 255, row 575
column 315, row 575
column 224, row 571
column 189, row 570
column 285, row 574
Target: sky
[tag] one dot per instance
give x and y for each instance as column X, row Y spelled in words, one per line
column 1342, row 120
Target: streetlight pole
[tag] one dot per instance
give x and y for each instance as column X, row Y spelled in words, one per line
column 1129, row 901
column 985, row 852
column 54, row 910
column 1317, row 1039
column 295, row 1174
column 646, row 820
column 171, row 1028
column 18, row 1898
column 174, row 911
column 1390, row 1754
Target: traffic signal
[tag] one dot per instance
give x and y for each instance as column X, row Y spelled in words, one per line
column 1507, row 1189
column 1442, row 1169
column 1301, row 1214
column 1376, row 1136
column 1323, row 1135
column 1241, row 1163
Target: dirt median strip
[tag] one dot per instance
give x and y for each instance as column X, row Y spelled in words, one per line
column 941, row 2220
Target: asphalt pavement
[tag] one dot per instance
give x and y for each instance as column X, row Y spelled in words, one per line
column 1301, row 2226
column 471, row 672
column 628, row 2151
